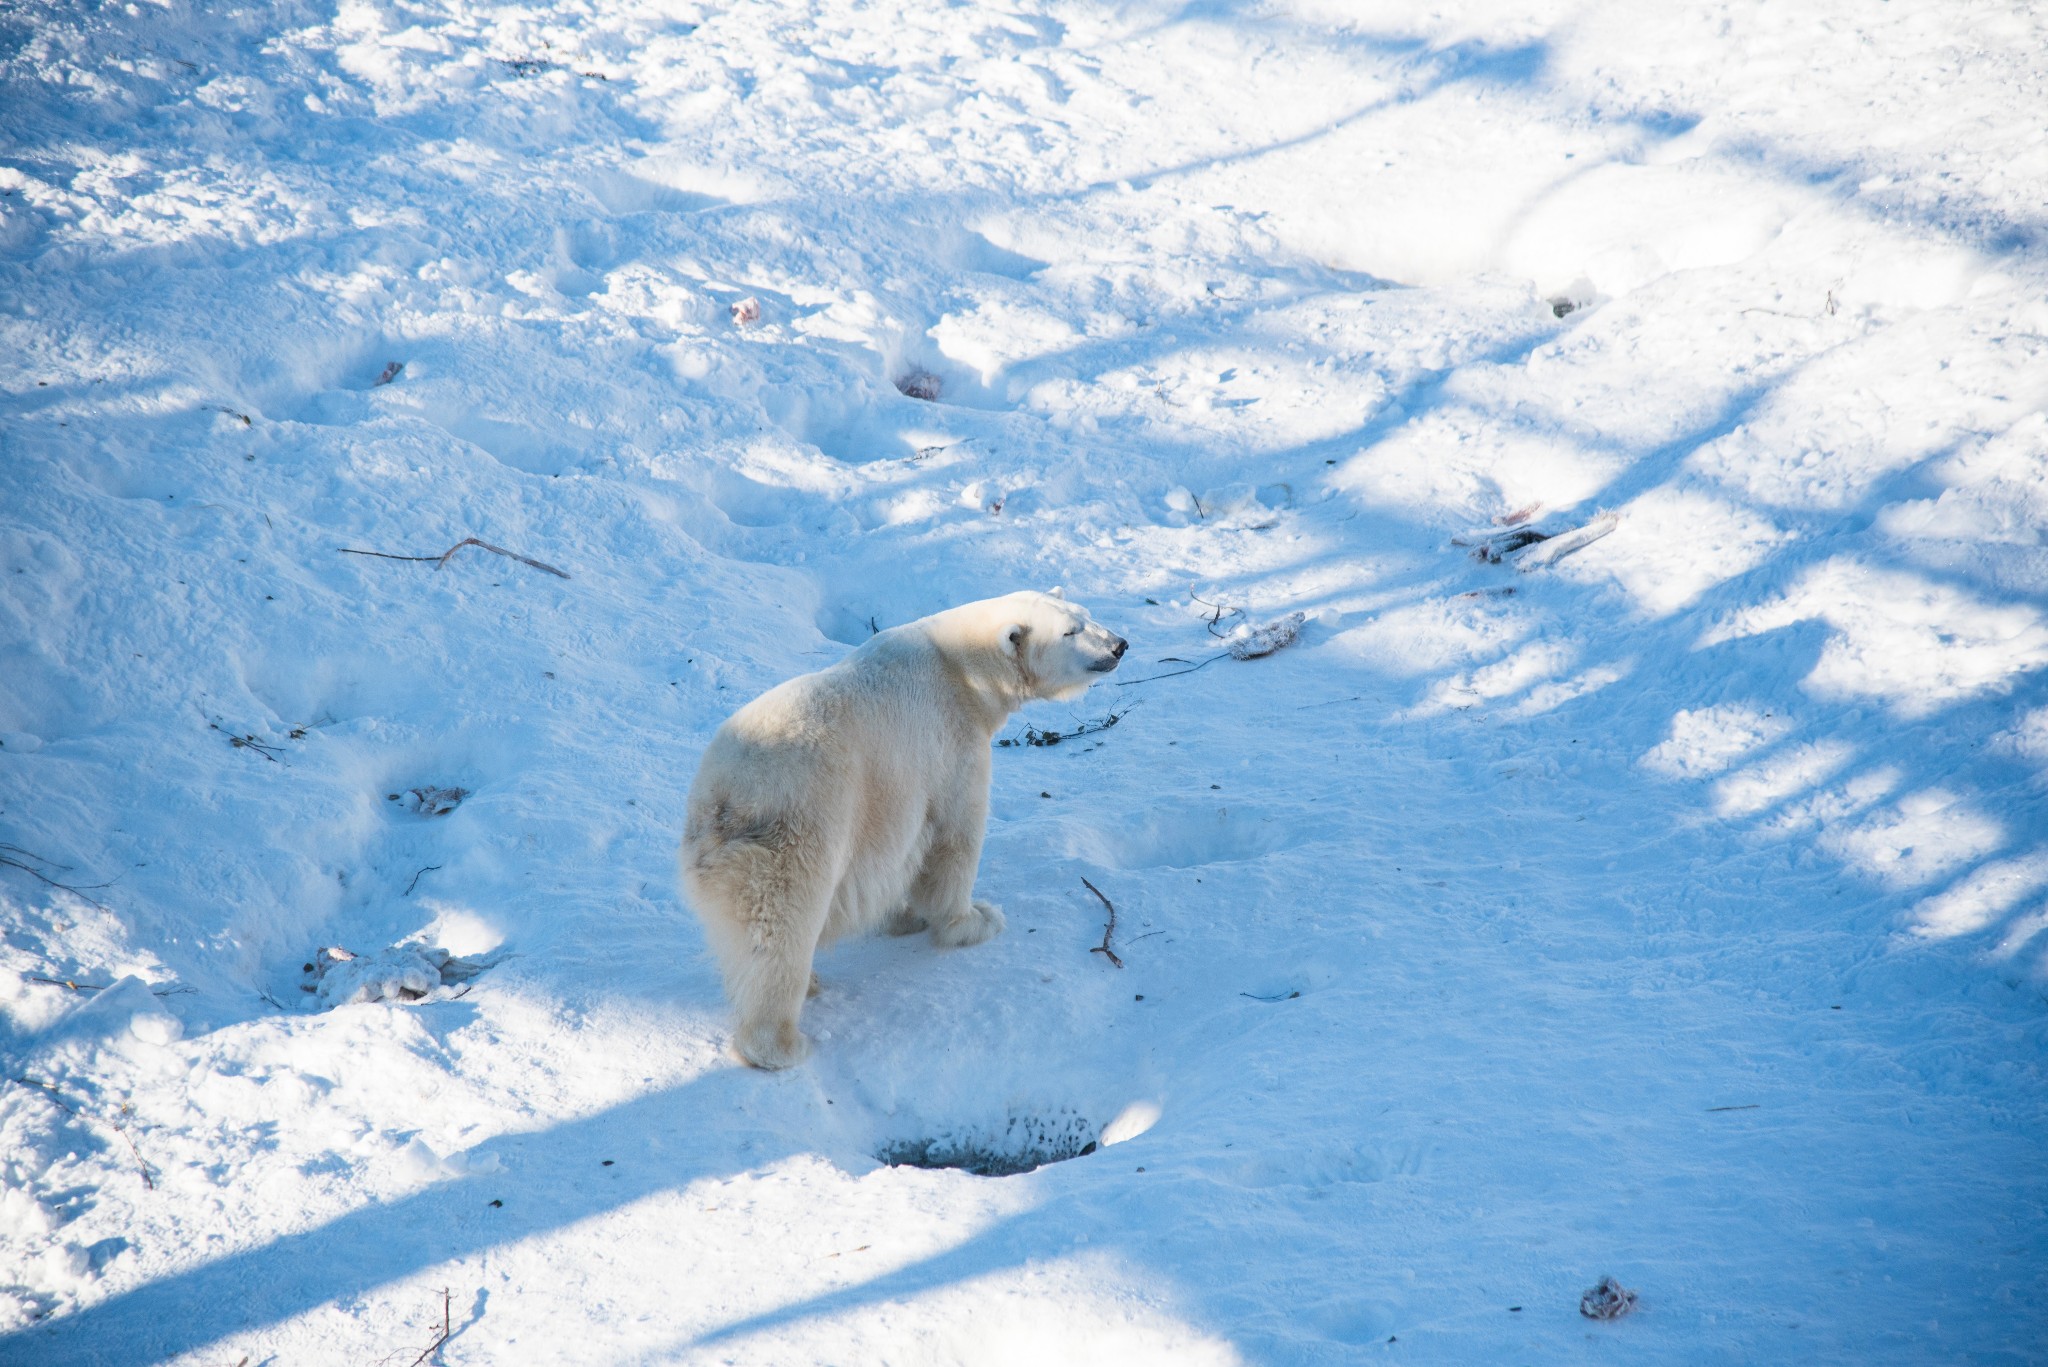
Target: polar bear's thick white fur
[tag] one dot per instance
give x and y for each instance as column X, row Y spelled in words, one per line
column 856, row 798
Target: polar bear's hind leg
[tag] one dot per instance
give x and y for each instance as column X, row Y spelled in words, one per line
column 766, row 909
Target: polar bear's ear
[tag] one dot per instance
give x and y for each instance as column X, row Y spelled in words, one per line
column 1013, row 639
column 1056, row 592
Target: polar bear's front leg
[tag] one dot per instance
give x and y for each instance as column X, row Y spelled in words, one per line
column 943, row 895
column 981, row 921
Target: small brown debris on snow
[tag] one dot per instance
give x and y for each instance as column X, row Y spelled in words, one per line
column 1610, row 1300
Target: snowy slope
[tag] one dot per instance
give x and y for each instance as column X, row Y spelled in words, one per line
column 1671, row 910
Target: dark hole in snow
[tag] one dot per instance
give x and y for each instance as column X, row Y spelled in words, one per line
column 1025, row 1143
column 1560, row 307
column 921, row 384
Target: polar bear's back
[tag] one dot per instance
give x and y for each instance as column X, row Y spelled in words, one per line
column 830, row 775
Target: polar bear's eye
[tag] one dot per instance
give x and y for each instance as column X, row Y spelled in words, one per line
column 1071, row 631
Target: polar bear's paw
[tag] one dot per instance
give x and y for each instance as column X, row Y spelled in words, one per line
column 981, row 921
column 775, row 1045
column 905, row 922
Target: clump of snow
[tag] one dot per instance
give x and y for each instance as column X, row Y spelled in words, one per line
column 436, row 801
column 1249, row 642
column 407, row 973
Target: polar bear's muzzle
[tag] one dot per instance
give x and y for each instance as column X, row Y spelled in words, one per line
column 1117, row 646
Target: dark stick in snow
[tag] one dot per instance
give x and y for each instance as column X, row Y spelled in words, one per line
column 50, row 1093
column 47, row 1090
column 1107, row 930
column 428, row 1351
column 1172, row 674
column 249, row 742
column 1033, row 736
column 38, row 874
column 1220, row 613
column 441, row 560
column 65, row 982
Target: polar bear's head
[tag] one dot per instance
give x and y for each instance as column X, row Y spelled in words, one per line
column 1057, row 648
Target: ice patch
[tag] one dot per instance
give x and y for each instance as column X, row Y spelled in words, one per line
column 1187, row 836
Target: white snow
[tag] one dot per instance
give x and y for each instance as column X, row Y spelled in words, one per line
column 1677, row 914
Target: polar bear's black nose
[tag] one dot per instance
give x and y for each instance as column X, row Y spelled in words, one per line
column 1120, row 647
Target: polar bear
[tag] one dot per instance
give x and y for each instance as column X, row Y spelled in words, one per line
column 856, row 798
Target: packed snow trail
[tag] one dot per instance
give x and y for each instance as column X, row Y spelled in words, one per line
column 1672, row 910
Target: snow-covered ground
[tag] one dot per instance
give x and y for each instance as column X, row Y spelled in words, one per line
column 1672, row 910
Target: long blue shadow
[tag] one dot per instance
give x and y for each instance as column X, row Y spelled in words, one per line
column 551, row 1178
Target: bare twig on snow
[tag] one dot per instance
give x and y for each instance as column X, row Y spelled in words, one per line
column 1108, row 930
column 441, row 560
column 440, row 1339
column 49, row 1093
column 1218, row 615
column 1173, row 674
column 248, row 742
column 75, row 890
column 1033, row 736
